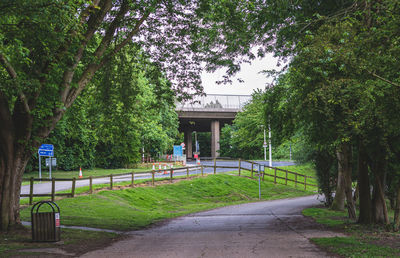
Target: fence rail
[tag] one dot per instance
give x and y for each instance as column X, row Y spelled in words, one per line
column 171, row 172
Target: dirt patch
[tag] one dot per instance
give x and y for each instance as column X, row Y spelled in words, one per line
column 20, row 244
column 388, row 239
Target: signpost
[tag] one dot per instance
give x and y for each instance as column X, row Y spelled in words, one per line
column 178, row 150
column 46, row 150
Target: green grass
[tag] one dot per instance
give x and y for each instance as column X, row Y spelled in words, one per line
column 92, row 172
column 135, row 208
column 85, row 172
column 354, row 247
column 304, row 169
column 326, row 216
column 363, row 240
column 95, row 187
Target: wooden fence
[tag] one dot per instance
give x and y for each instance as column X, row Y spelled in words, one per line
column 298, row 178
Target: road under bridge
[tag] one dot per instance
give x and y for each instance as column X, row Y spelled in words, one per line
column 208, row 114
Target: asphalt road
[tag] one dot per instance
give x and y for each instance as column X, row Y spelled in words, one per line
column 45, row 187
column 261, row 229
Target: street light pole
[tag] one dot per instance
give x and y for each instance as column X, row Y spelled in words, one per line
column 264, row 144
column 270, row 146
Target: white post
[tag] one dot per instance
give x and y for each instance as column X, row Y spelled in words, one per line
column 270, row 147
column 265, row 147
column 259, row 182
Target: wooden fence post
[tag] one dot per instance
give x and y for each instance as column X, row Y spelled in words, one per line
column 305, row 183
column 286, row 177
column 111, row 181
column 202, row 170
column 73, row 187
column 215, row 166
column 152, row 178
column 90, row 184
column 295, row 180
column 239, row 166
column 133, row 179
column 263, row 173
column 171, row 172
column 31, row 191
column 187, row 172
column 53, row 189
column 275, row 176
column 252, row 168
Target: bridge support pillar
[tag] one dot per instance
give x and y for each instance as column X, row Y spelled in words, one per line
column 215, row 139
column 188, row 143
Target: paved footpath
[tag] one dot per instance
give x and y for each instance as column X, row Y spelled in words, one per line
column 261, row 229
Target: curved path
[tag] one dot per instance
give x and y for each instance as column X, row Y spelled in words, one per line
column 261, row 229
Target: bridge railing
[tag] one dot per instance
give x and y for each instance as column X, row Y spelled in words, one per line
column 215, row 102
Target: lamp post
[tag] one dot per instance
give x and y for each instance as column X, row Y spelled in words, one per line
column 264, row 144
column 270, row 146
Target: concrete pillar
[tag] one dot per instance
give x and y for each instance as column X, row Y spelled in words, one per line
column 188, row 143
column 214, row 139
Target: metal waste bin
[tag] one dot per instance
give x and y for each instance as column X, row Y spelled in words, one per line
column 45, row 225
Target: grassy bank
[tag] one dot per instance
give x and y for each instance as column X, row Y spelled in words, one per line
column 134, row 208
column 303, row 169
column 362, row 240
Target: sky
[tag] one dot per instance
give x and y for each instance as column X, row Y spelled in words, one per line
column 249, row 73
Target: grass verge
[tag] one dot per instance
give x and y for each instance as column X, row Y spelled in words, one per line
column 362, row 240
column 135, row 208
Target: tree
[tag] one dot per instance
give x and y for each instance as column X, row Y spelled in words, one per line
column 244, row 138
column 44, row 69
column 342, row 84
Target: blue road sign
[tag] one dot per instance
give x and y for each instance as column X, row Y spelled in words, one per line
column 178, row 150
column 48, row 153
column 46, row 147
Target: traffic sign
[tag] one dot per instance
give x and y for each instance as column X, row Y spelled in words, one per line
column 178, row 150
column 46, row 147
column 48, row 153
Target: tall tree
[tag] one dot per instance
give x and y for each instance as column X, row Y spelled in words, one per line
column 50, row 51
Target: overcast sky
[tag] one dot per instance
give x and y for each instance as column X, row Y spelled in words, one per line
column 249, row 73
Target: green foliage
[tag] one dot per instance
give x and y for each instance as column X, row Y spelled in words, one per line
column 245, row 138
column 204, row 139
column 129, row 105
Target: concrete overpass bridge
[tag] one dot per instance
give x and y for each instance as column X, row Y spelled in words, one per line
column 208, row 114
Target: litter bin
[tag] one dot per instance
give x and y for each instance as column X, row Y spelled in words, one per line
column 45, row 225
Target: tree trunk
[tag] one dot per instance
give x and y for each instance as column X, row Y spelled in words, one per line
column 397, row 211
column 338, row 202
column 365, row 216
column 344, row 164
column 12, row 166
column 379, row 208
